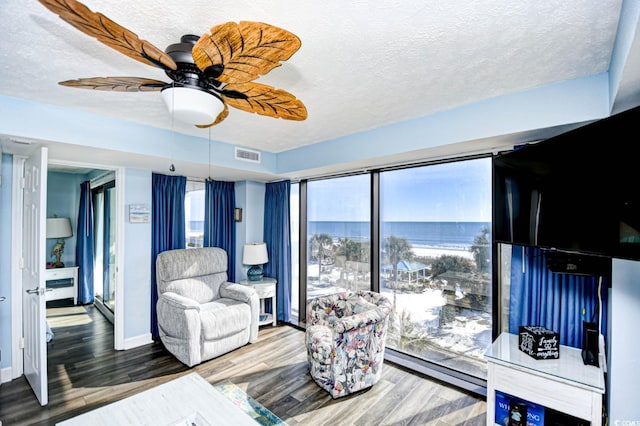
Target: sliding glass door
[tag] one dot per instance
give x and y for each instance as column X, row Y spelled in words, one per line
column 104, row 205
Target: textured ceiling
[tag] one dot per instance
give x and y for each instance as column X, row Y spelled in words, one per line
column 362, row 64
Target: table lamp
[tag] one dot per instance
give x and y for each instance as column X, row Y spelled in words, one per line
column 255, row 254
column 60, row 228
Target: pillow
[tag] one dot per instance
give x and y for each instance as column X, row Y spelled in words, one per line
column 360, row 305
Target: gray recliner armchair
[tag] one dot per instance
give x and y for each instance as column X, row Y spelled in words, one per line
column 200, row 314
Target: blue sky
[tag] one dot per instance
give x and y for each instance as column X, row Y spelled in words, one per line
column 459, row 191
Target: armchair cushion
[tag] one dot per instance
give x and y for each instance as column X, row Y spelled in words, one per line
column 222, row 318
column 194, row 273
column 239, row 292
column 200, row 290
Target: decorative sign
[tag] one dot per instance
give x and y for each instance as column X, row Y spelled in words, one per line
column 539, row 342
column 139, row 213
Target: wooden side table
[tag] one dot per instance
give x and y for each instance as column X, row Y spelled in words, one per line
column 266, row 288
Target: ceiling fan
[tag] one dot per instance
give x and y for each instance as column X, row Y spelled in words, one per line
column 208, row 73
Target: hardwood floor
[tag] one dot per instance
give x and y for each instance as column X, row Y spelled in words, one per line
column 86, row 373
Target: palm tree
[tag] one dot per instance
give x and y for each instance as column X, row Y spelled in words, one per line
column 395, row 250
column 353, row 250
column 321, row 244
column 480, row 250
column 448, row 262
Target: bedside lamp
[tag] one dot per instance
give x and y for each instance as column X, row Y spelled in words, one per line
column 255, row 254
column 60, row 228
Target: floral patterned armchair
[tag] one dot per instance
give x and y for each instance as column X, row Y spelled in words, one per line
column 345, row 340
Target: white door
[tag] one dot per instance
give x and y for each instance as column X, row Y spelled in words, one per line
column 33, row 283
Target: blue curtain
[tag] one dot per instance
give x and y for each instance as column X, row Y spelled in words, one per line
column 106, row 240
column 219, row 226
column 168, row 227
column 277, row 235
column 84, row 245
column 559, row 302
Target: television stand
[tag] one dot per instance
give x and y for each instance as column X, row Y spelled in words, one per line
column 564, row 384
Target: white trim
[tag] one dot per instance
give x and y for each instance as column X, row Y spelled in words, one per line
column 5, row 375
column 134, row 342
column 82, row 165
column 17, row 365
column 118, row 321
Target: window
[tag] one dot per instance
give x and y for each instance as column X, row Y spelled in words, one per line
column 422, row 236
column 435, row 262
column 338, row 235
column 194, row 214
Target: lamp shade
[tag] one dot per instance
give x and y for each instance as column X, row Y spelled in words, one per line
column 255, row 254
column 59, row 227
column 192, row 105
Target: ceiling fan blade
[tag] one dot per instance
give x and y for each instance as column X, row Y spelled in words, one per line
column 266, row 100
column 245, row 50
column 108, row 32
column 223, row 114
column 117, row 84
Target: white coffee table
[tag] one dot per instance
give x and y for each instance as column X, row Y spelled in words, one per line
column 189, row 399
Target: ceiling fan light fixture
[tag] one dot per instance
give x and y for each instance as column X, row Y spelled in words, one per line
column 192, row 105
column 210, row 73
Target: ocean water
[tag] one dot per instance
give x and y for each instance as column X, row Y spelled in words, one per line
column 421, row 234
column 457, row 235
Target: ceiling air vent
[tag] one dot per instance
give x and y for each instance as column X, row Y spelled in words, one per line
column 245, row 154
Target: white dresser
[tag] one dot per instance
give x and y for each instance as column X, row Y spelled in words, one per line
column 67, row 291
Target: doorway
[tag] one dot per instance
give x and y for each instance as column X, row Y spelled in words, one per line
column 107, row 198
column 55, row 192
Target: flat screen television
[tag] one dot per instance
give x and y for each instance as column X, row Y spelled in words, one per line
column 576, row 192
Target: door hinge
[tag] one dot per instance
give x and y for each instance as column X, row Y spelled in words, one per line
column 21, row 343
